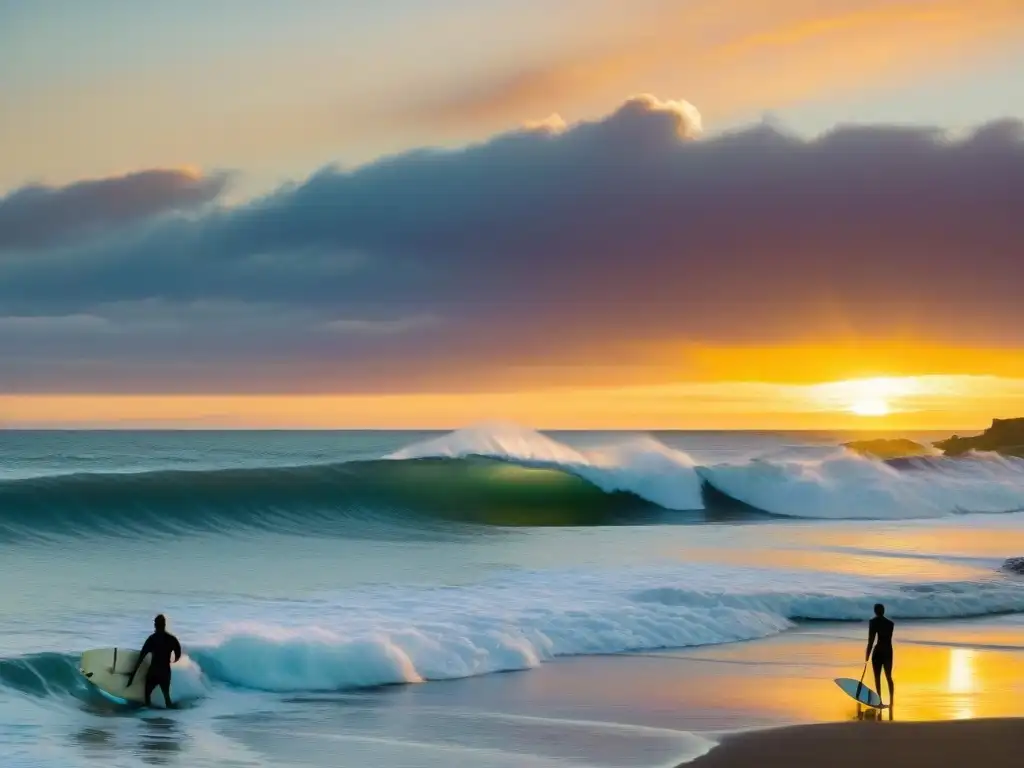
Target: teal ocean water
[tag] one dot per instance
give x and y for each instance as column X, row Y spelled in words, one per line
column 330, row 588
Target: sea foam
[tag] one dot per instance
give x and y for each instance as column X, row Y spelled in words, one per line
column 384, row 635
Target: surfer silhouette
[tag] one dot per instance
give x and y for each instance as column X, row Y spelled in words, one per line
column 880, row 629
column 159, row 645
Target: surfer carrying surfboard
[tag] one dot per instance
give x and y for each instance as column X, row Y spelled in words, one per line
column 881, row 628
column 160, row 645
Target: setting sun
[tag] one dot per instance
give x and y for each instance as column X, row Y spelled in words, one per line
column 873, row 397
column 870, row 407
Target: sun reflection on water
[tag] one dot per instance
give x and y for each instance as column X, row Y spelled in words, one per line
column 962, row 682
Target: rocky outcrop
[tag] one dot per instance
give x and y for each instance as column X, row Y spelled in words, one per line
column 1014, row 565
column 888, row 449
column 1005, row 436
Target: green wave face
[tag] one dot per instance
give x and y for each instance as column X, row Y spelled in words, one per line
column 325, row 499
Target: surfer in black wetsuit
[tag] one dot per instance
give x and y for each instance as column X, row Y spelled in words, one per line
column 881, row 628
column 160, row 645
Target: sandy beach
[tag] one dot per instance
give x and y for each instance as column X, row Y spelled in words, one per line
column 991, row 743
column 958, row 702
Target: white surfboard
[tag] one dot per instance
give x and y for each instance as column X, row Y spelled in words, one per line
column 866, row 696
column 108, row 670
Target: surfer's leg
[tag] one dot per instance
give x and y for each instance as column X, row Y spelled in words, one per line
column 876, row 666
column 888, row 676
column 150, row 686
column 165, row 687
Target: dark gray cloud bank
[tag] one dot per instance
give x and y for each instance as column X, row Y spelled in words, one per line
column 535, row 250
column 37, row 216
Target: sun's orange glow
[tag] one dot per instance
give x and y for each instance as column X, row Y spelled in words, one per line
column 927, row 402
column 871, row 407
column 843, row 359
column 874, row 397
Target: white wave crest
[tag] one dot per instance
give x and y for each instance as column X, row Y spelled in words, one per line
column 386, row 635
column 188, row 683
column 818, row 482
column 641, row 466
column 847, row 486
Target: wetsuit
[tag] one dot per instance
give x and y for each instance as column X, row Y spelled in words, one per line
column 160, row 646
column 881, row 628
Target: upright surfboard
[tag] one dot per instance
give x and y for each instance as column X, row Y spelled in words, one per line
column 867, row 697
column 108, row 670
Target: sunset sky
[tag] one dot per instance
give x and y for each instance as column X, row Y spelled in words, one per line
column 585, row 214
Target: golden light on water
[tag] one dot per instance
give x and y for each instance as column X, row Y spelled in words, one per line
column 962, row 681
column 961, row 670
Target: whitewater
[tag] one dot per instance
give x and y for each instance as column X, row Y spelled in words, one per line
column 300, row 568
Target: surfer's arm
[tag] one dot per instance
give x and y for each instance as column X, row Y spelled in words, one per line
column 147, row 647
column 176, row 649
column 871, row 639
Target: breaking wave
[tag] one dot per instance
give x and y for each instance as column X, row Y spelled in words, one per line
column 505, row 476
column 382, row 635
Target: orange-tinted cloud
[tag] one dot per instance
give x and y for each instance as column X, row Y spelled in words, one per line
column 845, row 359
column 734, row 56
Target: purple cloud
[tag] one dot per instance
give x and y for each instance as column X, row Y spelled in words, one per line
column 38, row 216
column 541, row 247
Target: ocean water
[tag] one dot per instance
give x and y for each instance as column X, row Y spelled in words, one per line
column 329, row 587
